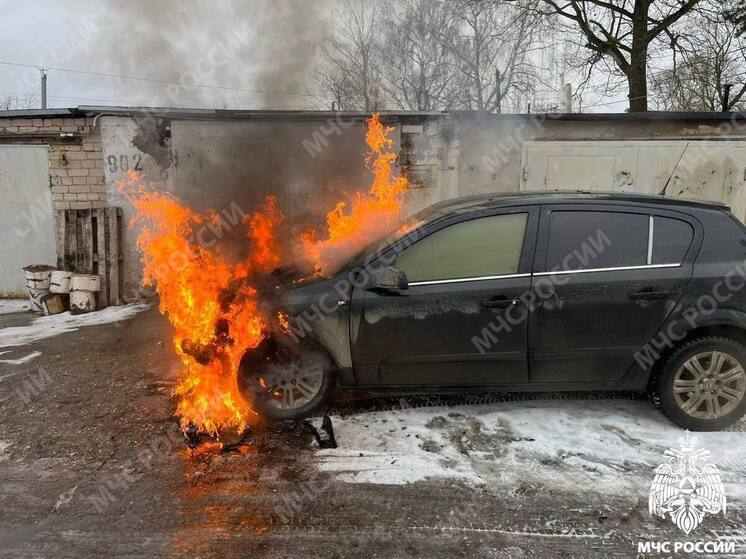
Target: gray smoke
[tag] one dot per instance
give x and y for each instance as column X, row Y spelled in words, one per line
column 269, row 47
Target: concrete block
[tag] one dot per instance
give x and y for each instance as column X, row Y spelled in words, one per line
column 75, row 155
column 62, row 205
column 80, row 205
column 59, row 189
column 80, row 180
column 78, row 188
column 78, row 172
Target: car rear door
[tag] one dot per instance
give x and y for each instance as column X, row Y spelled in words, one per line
column 461, row 321
column 608, row 276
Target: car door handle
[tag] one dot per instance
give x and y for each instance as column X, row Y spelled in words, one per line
column 650, row 294
column 498, row 303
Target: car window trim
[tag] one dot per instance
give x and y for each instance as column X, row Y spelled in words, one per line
column 555, row 273
column 467, row 279
column 651, row 232
column 609, row 269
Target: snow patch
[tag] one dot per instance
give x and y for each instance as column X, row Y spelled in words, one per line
column 8, row 306
column 608, row 447
column 48, row 326
column 20, row 360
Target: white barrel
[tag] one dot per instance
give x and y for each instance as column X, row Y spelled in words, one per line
column 85, row 282
column 38, row 276
column 60, row 281
column 35, row 296
column 82, row 301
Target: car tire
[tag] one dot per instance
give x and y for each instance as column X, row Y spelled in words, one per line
column 702, row 384
column 284, row 381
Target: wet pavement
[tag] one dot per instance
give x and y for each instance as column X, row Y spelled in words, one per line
column 92, row 465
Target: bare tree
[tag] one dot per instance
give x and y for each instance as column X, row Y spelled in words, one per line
column 351, row 74
column 491, row 48
column 710, row 59
column 12, row 102
column 736, row 14
column 623, row 31
column 421, row 72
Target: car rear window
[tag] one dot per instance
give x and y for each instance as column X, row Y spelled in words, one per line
column 585, row 240
column 486, row 246
column 671, row 240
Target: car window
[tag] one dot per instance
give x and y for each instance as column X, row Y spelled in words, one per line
column 583, row 240
column 486, row 246
column 671, row 240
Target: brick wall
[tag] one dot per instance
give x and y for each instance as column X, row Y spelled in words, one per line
column 76, row 163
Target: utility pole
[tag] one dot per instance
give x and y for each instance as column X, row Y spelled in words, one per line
column 726, row 95
column 43, row 88
column 498, row 92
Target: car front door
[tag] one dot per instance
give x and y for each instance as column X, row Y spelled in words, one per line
column 607, row 277
column 461, row 321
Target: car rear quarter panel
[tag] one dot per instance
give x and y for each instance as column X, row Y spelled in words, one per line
column 715, row 296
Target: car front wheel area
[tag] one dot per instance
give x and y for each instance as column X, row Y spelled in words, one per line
column 702, row 385
column 286, row 381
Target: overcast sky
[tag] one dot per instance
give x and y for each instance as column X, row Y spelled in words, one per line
column 249, row 54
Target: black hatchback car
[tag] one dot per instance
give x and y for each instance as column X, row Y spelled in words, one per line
column 542, row 292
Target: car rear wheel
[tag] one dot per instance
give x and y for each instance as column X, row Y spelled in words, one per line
column 286, row 381
column 702, row 385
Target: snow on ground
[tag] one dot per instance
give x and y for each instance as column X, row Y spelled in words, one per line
column 47, row 326
column 8, row 306
column 606, row 446
column 21, row 360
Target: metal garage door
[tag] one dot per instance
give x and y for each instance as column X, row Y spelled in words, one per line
column 705, row 170
column 26, row 219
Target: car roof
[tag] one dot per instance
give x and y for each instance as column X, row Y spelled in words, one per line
column 497, row 200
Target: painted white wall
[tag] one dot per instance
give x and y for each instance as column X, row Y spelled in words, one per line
column 25, row 214
column 696, row 169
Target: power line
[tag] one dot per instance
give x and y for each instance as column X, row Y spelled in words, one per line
column 156, row 80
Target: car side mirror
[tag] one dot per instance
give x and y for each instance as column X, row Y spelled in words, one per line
column 389, row 279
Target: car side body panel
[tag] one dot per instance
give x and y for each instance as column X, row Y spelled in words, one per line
column 336, row 312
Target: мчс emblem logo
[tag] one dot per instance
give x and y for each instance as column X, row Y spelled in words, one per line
column 685, row 488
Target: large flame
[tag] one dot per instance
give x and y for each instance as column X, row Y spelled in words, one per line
column 215, row 305
column 371, row 214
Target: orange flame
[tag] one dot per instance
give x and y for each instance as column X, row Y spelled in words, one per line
column 213, row 304
column 371, row 215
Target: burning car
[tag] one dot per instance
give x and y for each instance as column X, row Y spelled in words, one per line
column 550, row 292
column 542, row 292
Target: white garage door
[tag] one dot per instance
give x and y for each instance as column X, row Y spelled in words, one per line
column 703, row 170
column 26, row 219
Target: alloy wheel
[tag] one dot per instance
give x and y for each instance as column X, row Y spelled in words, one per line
column 709, row 385
column 291, row 385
